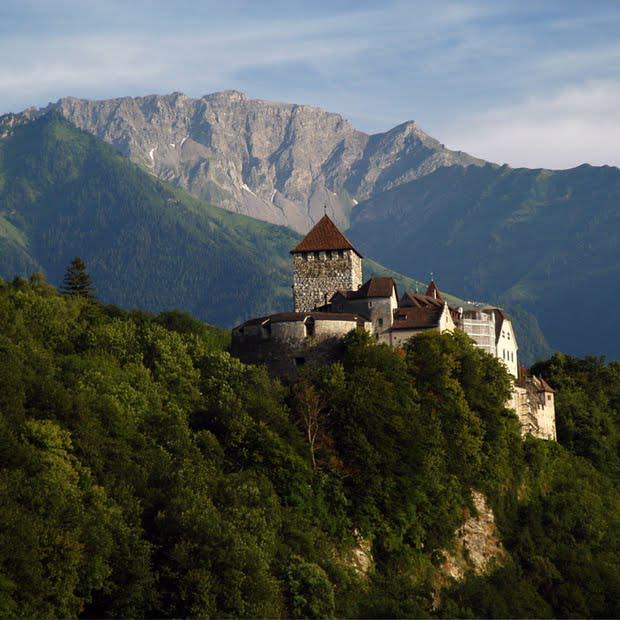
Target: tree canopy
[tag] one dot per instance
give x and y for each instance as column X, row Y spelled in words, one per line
column 147, row 473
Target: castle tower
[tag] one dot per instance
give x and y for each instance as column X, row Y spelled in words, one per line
column 324, row 262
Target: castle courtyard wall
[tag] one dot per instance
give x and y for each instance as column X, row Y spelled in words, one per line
column 286, row 346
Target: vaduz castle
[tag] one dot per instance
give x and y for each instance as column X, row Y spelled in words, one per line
column 330, row 300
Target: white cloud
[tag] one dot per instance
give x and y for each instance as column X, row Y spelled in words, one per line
column 576, row 125
column 548, row 82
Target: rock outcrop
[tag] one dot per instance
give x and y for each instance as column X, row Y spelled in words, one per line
column 477, row 549
column 276, row 162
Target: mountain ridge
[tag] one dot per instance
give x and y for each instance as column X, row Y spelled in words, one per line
column 279, row 162
column 538, row 239
column 64, row 192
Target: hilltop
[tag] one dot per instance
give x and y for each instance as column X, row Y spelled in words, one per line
column 146, row 473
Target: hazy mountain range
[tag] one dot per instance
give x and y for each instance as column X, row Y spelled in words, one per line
column 539, row 241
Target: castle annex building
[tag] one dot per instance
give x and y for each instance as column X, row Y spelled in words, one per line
column 330, row 300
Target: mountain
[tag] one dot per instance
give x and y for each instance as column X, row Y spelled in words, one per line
column 545, row 241
column 276, row 162
column 538, row 241
column 64, row 193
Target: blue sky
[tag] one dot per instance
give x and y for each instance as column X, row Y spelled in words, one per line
column 525, row 83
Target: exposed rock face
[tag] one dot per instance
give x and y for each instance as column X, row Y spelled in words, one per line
column 273, row 161
column 478, row 547
column 361, row 558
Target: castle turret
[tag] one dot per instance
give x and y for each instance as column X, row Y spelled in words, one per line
column 324, row 261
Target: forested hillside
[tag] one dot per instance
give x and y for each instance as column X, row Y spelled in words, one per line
column 145, row 472
column 64, row 193
column 543, row 240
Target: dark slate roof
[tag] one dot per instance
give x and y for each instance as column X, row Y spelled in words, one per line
column 417, row 317
column 324, row 236
column 293, row 317
column 417, row 300
column 374, row 287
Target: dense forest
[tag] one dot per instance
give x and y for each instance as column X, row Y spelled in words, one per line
column 147, row 473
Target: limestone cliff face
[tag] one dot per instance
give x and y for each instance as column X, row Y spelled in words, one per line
column 477, row 549
column 273, row 161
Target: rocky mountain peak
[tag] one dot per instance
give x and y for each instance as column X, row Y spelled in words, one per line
column 230, row 95
column 279, row 162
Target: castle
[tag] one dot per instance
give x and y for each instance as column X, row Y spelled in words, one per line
column 330, row 300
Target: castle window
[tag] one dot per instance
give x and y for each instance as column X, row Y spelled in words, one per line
column 329, row 254
column 548, row 396
column 380, row 322
column 305, row 256
column 340, row 253
column 309, row 328
column 316, row 255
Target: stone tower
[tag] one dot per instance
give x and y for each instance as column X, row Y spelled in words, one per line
column 324, row 262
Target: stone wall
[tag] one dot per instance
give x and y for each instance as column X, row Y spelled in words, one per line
column 545, row 415
column 535, row 410
column 380, row 311
column 318, row 275
column 285, row 346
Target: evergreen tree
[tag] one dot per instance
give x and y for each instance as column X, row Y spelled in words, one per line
column 77, row 281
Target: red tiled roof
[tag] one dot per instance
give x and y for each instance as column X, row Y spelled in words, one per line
column 417, row 317
column 324, row 236
column 417, row 300
column 433, row 291
column 545, row 387
column 374, row 287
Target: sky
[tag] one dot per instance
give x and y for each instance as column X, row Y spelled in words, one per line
column 528, row 83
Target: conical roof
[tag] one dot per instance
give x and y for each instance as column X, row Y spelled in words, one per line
column 433, row 291
column 324, row 236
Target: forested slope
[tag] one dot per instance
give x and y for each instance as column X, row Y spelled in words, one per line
column 147, row 473
column 542, row 240
column 64, row 193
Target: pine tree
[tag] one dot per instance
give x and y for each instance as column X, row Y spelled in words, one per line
column 77, row 281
